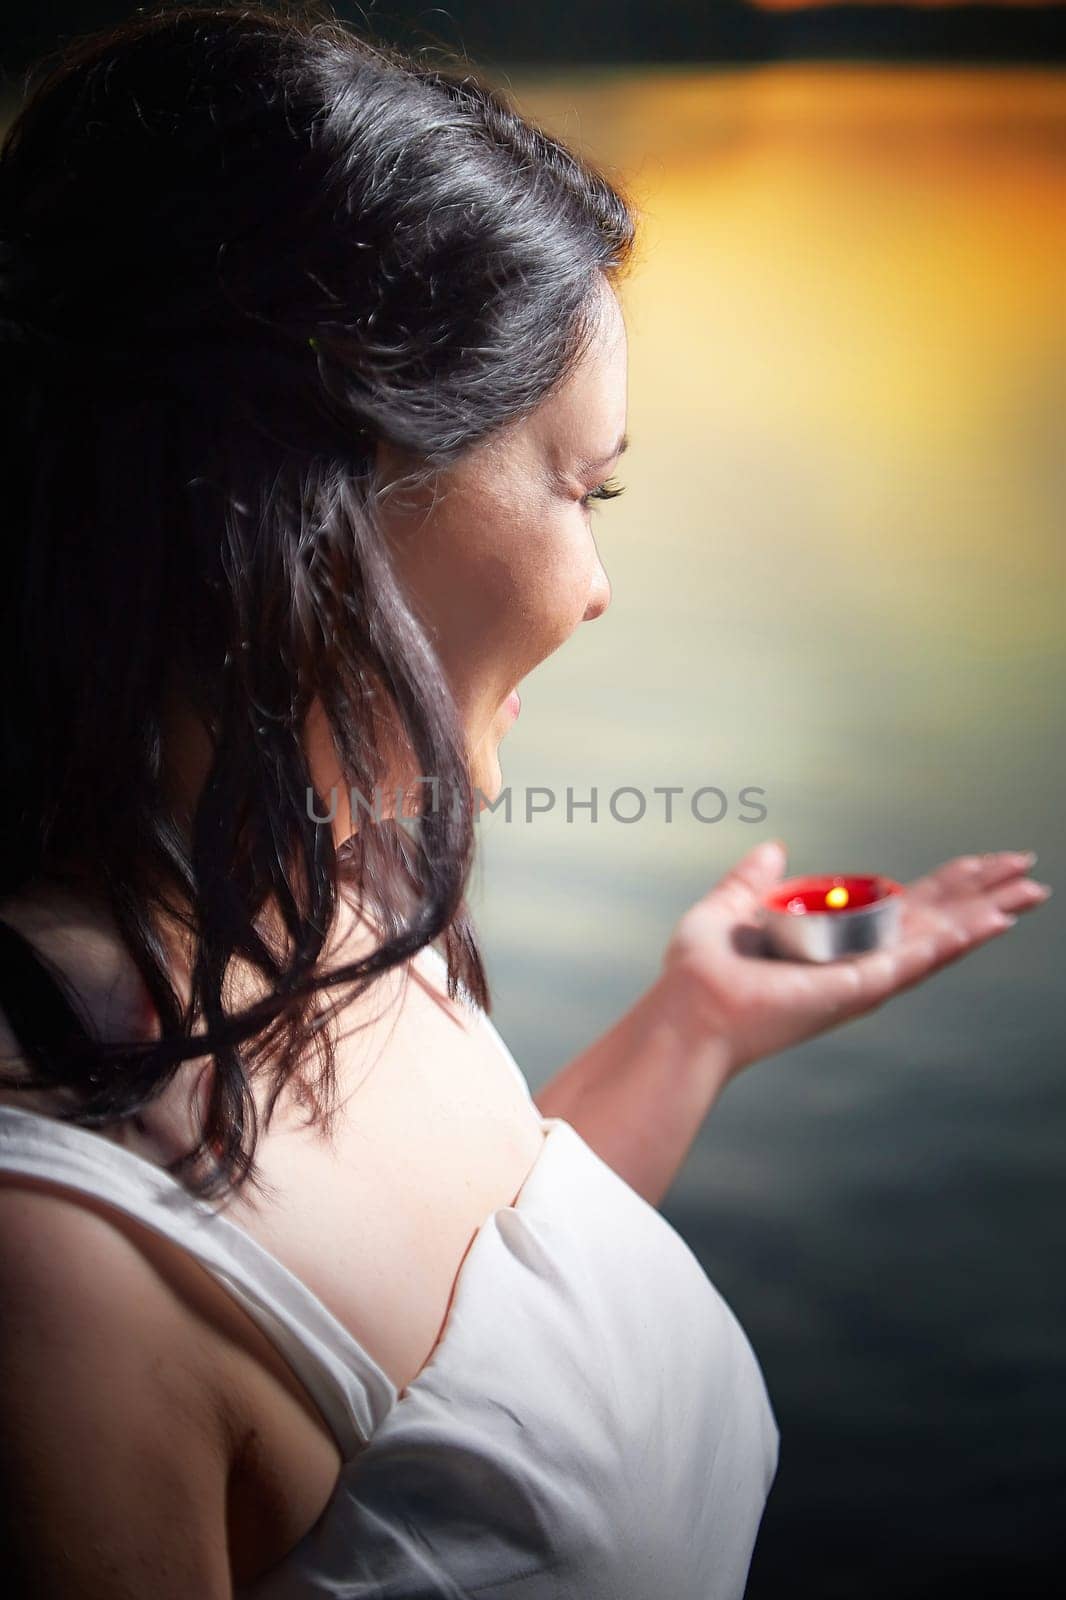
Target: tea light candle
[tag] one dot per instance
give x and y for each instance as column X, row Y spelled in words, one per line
column 827, row 917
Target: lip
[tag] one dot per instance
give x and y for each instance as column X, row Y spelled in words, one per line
column 513, row 703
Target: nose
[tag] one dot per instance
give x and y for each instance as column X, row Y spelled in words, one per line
column 600, row 595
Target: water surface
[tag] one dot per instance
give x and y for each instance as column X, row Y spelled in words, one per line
column 838, row 575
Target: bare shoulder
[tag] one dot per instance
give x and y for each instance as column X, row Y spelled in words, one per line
column 102, row 1362
column 134, row 1391
column 66, row 1258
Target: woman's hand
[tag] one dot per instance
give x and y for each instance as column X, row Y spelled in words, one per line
column 759, row 1004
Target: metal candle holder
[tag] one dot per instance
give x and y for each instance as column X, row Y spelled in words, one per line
column 824, row 918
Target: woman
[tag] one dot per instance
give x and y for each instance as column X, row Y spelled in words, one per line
column 316, row 367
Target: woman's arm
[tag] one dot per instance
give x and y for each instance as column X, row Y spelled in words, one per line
column 638, row 1096
column 116, row 1462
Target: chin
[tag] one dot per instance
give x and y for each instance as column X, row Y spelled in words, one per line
column 485, row 774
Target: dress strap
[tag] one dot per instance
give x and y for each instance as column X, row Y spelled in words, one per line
column 351, row 1391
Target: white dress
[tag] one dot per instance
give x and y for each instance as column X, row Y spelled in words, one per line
column 592, row 1425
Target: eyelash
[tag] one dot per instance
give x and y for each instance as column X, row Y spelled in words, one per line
column 606, row 491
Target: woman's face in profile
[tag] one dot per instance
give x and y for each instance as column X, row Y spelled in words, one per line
column 498, row 559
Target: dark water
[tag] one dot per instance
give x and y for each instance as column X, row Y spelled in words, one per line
column 906, row 1297
column 838, row 574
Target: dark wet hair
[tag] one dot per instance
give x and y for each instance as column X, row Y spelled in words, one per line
column 241, row 246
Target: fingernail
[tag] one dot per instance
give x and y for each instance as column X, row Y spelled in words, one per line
column 1045, row 888
column 1028, row 856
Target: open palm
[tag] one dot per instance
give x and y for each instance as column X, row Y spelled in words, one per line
column 761, row 1004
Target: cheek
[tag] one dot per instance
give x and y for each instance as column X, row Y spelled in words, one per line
column 556, row 579
column 501, row 586
column 522, row 598
column 572, row 589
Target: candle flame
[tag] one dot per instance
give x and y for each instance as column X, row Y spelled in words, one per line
column 837, row 897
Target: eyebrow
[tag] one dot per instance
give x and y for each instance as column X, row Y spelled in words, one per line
column 584, row 465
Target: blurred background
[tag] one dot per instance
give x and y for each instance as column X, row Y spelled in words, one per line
column 838, row 577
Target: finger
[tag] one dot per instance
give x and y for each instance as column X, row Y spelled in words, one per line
column 1020, row 895
column 753, row 875
column 932, row 941
column 945, row 936
column 970, row 875
column 948, row 939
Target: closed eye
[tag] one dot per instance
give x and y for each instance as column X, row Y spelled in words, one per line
column 606, row 491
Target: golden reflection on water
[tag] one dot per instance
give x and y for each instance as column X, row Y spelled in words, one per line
column 838, row 563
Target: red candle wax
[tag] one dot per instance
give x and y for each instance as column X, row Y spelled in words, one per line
column 826, row 894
